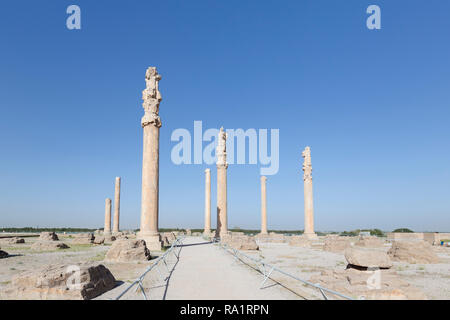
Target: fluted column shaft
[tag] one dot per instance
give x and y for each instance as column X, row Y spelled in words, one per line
column 107, row 228
column 308, row 194
column 150, row 181
column 263, row 206
column 207, row 201
column 222, row 219
column 309, row 207
column 116, row 205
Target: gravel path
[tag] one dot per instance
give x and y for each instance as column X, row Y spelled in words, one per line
column 207, row 272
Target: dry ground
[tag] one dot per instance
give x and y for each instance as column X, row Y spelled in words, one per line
column 223, row 278
column 432, row 279
column 22, row 258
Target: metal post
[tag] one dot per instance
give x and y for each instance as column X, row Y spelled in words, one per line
column 266, row 276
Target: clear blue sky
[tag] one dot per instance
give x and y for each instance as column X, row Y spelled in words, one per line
column 373, row 105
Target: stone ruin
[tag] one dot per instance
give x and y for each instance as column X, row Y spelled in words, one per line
column 48, row 241
column 364, row 258
column 168, row 238
column 299, row 241
column 48, row 236
column 412, row 252
column 151, row 124
column 369, row 272
column 48, row 245
column 3, row 254
column 128, row 250
column 109, row 238
column 13, row 240
column 368, row 276
column 83, row 238
column 370, row 242
column 58, row 282
column 239, row 242
column 337, row 244
column 272, row 237
column 98, row 240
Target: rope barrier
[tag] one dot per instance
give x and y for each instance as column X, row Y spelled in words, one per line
column 176, row 244
column 237, row 254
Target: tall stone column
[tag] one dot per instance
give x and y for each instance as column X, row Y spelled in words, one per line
column 116, row 206
column 263, row 206
column 107, row 228
column 308, row 195
column 151, row 123
column 207, row 230
column 222, row 223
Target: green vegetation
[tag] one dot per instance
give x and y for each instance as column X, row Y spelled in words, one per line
column 373, row 232
column 350, row 233
column 354, row 233
column 77, row 247
column 21, row 248
column 376, row 232
column 38, row 230
column 237, row 229
column 72, row 248
column 98, row 257
column 403, row 230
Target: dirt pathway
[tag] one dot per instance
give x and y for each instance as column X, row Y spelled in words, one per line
column 205, row 271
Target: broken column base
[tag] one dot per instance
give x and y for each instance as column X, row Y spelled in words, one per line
column 152, row 241
column 209, row 233
column 223, row 234
column 310, row 236
column 263, row 234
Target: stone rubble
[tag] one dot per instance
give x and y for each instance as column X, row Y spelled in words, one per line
column 128, row 250
column 412, row 252
column 48, row 245
column 82, row 281
column 83, row 238
column 239, row 242
column 48, row 236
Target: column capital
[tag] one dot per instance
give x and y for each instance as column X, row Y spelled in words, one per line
column 151, row 118
column 151, row 97
column 307, row 166
column 221, row 149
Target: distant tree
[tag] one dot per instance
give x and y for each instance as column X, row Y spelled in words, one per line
column 376, row 232
column 32, row 229
column 403, row 230
column 350, row 233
